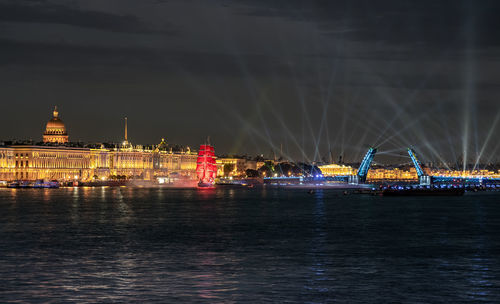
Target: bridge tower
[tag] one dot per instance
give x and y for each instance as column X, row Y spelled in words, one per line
column 360, row 177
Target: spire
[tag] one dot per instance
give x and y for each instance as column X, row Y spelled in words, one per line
column 55, row 113
column 126, row 137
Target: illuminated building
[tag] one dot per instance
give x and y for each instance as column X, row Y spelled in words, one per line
column 55, row 130
column 397, row 174
column 141, row 162
column 238, row 165
column 336, row 170
column 461, row 173
column 30, row 162
column 58, row 159
column 380, row 174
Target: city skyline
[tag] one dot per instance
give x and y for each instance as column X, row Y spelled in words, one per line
column 55, row 133
column 256, row 76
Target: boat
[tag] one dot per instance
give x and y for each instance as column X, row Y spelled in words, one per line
column 232, row 184
column 25, row 184
column 13, row 184
column 38, row 183
column 51, row 184
column 206, row 168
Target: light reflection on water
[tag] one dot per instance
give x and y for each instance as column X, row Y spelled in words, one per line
column 174, row 245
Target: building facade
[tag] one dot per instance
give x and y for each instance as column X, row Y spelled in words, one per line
column 337, row 170
column 56, row 159
column 381, row 174
column 142, row 163
column 238, row 166
column 31, row 162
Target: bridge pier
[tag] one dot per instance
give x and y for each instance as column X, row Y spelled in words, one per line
column 353, row 179
column 425, row 180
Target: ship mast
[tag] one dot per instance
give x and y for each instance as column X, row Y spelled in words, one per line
column 205, row 163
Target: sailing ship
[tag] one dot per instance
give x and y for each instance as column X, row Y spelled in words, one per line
column 206, row 168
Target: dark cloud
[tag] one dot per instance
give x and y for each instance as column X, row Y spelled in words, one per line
column 427, row 22
column 68, row 56
column 45, row 12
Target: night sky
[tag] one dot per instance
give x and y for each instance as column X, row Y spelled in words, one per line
column 255, row 75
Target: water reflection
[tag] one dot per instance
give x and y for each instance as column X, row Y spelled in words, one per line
column 104, row 191
column 76, row 195
column 47, row 195
column 479, row 278
column 209, row 282
column 125, row 212
column 318, row 248
column 203, row 194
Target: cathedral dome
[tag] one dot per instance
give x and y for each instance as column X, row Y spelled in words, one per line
column 55, row 131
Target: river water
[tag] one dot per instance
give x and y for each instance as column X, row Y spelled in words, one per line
column 252, row 245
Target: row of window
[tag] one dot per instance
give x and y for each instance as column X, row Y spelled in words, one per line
column 47, row 155
column 55, row 132
column 120, row 158
column 60, row 155
column 23, row 164
column 45, row 164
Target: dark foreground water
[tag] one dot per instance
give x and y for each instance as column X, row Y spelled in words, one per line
column 171, row 246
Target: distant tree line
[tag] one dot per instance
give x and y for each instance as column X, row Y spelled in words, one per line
column 269, row 169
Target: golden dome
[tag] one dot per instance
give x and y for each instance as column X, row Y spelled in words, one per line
column 55, row 130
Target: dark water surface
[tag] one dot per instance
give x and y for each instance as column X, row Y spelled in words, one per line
column 227, row 245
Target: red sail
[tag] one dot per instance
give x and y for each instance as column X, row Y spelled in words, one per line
column 206, row 167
